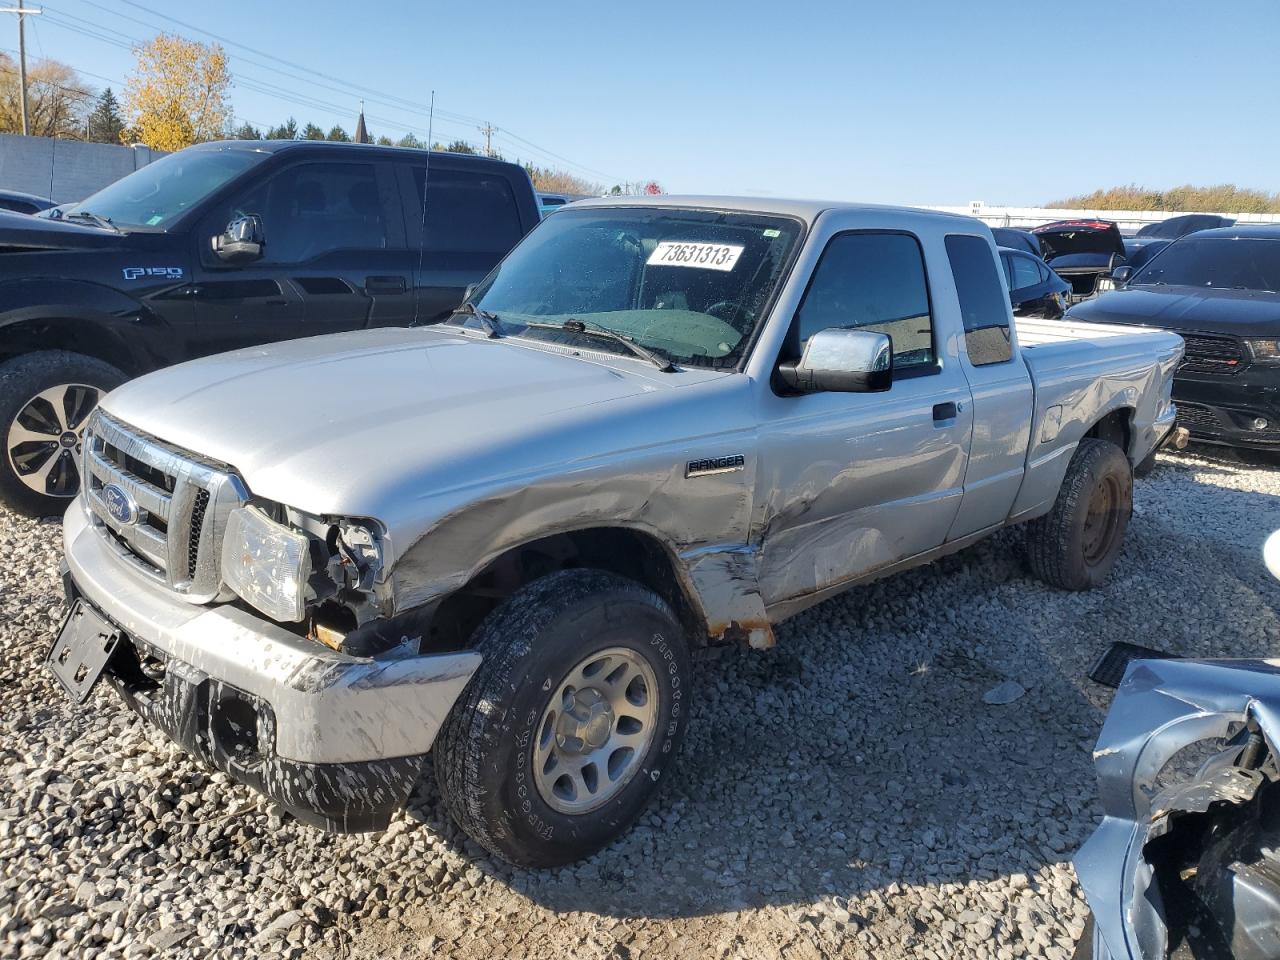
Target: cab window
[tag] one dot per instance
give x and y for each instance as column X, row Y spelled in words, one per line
column 984, row 304
column 871, row 281
column 312, row 209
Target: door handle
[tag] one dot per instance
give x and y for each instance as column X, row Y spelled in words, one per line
column 374, row 285
column 945, row 411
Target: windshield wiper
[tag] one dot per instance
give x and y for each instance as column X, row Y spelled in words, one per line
column 488, row 321
column 594, row 329
column 95, row 219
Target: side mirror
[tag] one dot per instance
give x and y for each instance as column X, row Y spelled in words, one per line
column 1121, row 275
column 841, row 360
column 242, row 241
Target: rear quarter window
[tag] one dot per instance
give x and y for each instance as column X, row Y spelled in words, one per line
column 984, row 304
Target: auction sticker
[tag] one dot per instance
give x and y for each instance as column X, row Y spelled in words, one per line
column 707, row 256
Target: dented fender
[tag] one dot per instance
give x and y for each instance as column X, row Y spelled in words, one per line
column 1161, row 707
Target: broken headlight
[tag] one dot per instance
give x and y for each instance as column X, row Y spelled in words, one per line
column 266, row 563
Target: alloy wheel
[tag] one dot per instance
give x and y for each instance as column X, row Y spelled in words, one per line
column 44, row 440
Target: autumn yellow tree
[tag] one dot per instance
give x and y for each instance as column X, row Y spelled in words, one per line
column 177, row 94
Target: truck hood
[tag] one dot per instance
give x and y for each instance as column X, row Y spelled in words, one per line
column 24, row 231
column 1241, row 313
column 362, row 423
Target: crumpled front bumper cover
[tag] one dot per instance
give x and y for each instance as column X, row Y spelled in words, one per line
column 1161, row 707
column 337, row 740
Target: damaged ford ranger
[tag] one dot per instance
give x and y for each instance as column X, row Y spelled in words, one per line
column 656, row 425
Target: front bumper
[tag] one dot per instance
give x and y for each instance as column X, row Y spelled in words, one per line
column 335, row 739
column 1223, row 409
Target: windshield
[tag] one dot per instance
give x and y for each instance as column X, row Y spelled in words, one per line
column 155, row 195
column 689, row 285
column 1229, row 264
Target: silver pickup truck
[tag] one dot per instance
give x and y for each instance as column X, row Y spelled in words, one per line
column 656, row 425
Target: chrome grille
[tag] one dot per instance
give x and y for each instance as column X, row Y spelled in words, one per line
column 182, row 499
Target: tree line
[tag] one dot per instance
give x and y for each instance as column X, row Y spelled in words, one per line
column 1219, row 198
column 179, row 94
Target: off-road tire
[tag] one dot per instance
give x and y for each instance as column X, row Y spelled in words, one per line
column 484, row 753
column 21, row 379
column 1057, row 542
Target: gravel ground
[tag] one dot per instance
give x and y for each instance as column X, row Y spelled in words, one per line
column 849, row 793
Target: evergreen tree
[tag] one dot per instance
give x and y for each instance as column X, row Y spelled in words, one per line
column 338, row 134
column 312, row 132
column 247, row 131
column 286, row 131
column 409, row 140
column 104, row 123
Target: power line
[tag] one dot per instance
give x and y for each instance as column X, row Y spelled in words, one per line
column 22, row 13
column 373, row 94
column 247, row 81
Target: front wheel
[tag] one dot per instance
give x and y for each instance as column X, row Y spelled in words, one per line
column 1075, row 545
column 45, row 402
column 576, row 712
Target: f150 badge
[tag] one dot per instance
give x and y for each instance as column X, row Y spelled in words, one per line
column 703, row 468
column 169, row 273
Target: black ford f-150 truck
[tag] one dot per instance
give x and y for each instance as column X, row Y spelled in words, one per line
column 228, row 245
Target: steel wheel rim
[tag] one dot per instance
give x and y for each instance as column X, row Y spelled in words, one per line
column 43, row 441
column 595, row 731
column 1101, row 521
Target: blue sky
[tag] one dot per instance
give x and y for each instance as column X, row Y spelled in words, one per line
column 915, row 102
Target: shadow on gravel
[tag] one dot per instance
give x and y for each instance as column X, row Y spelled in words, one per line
column 859, row 753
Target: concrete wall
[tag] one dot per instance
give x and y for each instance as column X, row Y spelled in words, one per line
column 1127, row 220
column 65, row 170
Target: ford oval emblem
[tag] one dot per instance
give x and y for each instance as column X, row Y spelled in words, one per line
column 121, row 507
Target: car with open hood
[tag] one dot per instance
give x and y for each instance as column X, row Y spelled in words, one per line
column 1220, row 291
column 1081, row 251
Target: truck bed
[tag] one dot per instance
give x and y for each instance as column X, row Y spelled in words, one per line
column 1081, row 372
column 1034, row 333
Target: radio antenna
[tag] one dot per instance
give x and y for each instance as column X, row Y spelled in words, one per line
column 422, row 234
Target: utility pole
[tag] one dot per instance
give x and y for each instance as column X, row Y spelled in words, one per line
column 21, row 13
column 488, row 130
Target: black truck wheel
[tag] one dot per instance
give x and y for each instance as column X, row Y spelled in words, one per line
column 575, row 714
column 45, row 401
column 1075, row 545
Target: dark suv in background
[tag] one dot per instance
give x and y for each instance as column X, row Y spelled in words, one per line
column 228, row 245
column 1219, row 289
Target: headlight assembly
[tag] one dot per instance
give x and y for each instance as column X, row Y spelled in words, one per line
column 1265, row 351
column 266, row 563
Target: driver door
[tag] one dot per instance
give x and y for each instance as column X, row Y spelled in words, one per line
column 858, row 481
column 334, row 258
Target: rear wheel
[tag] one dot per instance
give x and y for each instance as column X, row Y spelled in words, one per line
column 566, row 729
column 1075, row 545
column 45, row 402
